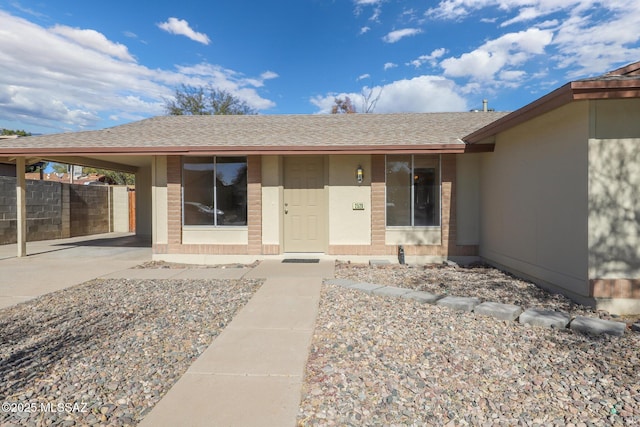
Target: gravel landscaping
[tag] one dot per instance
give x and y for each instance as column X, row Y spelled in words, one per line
column 108, row 349
column 393, row 361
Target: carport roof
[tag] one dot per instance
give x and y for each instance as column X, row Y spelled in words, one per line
column 266, row 134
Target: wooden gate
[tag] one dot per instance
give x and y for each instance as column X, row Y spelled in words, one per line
column 132, row 210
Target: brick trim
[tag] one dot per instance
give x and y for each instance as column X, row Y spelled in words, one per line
column 615, row 288
column 174, row 199
column 254, row 204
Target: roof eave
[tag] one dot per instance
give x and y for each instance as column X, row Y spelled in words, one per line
column 573, row 91
column 449, row 148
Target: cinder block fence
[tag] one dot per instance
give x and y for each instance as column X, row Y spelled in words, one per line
column 58, row 210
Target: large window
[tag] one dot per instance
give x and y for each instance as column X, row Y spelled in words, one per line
column 413, row 191
column 214, row 191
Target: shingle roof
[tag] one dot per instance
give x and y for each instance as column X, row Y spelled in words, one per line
column 258, row 133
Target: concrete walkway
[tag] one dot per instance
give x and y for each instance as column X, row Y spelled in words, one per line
column 252, row 373
column 53, row 265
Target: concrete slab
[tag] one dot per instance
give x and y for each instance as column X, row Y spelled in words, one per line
column 291, row 287
column 53, row 265
column 240, row 351
column 212, row 273
column 276, row 268
column 588, row 325
column 228, row 400
column 391, row 291
column 252, row 373
column 459, row 303
column 423, row 297
column 277, row 313
column 366, row 287
column 498, row 310
column 379, row 262
column 545, row 318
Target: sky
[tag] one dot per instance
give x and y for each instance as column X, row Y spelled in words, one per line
column 69, row 65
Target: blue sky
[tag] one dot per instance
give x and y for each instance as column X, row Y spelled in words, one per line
column 69, row 65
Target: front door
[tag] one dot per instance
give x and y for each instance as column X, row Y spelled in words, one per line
column 304, row 204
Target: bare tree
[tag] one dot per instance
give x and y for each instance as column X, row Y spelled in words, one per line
column 369, row 99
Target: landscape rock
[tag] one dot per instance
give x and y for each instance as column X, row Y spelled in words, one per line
column 589, row 325
column 545, row 318
column 498, row 310
column 459, row 303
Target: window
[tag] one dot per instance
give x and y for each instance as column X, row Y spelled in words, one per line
column 413, row 190
column 214, row 191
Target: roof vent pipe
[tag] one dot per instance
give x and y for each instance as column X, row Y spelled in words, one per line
column 485, row 105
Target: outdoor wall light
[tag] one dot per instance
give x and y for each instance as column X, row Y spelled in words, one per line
column 359, row 175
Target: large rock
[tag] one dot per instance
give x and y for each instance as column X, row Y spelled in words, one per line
column 545, row 318
column 588, row 325
column 499, row 311
column 459, row 303
column 366, row 287
column 423, row 297
column 391, row 291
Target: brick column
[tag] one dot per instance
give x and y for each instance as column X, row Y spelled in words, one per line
column 174, row 199
column 254, row 204
column 378, row 205
column 448, row 220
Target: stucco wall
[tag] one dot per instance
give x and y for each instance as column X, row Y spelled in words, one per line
column 271, row 200
column 349, row 226
column 144, row 202
column 120, row 206
column 159, row 200
column 468, row 199
column 533, row 211
column 614, row 190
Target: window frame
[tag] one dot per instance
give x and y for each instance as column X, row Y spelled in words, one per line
column 214, row 192
column 412, row 195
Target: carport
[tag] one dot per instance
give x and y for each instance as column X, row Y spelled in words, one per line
column 30, row 150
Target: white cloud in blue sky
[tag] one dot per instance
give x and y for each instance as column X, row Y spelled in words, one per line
column 182, row 28
column 81, row 65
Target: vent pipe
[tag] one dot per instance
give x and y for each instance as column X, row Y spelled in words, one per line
column 485, row 105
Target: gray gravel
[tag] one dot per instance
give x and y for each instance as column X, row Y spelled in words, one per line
column 391, row 361
column 110, row 349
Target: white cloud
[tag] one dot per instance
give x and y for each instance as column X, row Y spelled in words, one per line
column 589, row 36
column 364, row 30
column 363, row 77
column 93, row 40
column 526, row 9
column 420, row 94
column 509, row 50
column 389, row 65
column 397, row 35
column 65, row 79
column 431, row 58
column 181, row 27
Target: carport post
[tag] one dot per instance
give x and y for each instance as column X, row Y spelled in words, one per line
column 21, row 207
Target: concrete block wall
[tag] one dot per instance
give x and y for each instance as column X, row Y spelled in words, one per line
column 89, row 208
column 55, row 210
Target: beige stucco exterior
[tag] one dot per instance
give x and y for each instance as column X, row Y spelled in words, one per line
column 144, row 201
column 533, row 210
column 271, row 200
column 468, row 198
column 348, row 224
column 614, row 185
column 159, row 200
